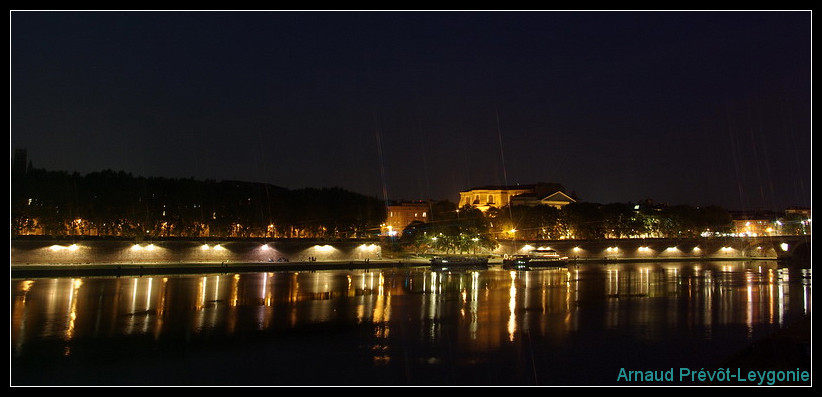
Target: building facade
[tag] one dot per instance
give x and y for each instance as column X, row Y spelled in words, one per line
column 486, row 197
column 401, row 214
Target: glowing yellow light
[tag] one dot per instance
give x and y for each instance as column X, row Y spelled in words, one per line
column 218, row 247
column 696, row 249
column 671, row 249
column 26, row 286
column 136, row 247
column 73, row 247
column 204, row 247
column 577, row 249
column 56, row 247
column 784, row 247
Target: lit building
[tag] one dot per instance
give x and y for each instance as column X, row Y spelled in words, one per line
column 401, row 214
column 754, row 223
column 557, row 199
column 485, row 197
column 797, row 220
column 801, row 211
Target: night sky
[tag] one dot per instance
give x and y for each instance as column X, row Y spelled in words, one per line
column 696, row 108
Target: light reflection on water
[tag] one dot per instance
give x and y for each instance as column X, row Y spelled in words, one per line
column 417, row 318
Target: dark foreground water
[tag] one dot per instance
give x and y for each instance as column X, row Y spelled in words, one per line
column 566, row 327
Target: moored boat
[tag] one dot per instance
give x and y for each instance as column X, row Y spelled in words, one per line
column 454, row 262
column 541, row 257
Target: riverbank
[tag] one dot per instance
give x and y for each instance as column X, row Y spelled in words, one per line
column 148, row 269
column 161, row 268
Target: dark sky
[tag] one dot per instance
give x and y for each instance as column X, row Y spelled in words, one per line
column 696, row 108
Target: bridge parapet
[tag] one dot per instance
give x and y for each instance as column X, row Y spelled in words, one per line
column 713, row 248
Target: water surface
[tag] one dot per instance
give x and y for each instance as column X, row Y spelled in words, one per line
column 566, row 326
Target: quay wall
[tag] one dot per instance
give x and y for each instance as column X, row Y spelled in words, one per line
column 121, row 251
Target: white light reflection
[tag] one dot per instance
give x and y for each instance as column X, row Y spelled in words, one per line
column 148, row 305
column 771, row 297
column 235, row 290
column 199, row 321
column 133, row 309
column 512, row 307
column 382, row 307
column 806, row 297
column 781, row 291
column 19, row 316
column 473, row 306
column 72, row 315
column 160, row 310
column 749, row 306
column 263, row 287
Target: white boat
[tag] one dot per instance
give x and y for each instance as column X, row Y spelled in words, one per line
column 540, row 257
column 454, row 262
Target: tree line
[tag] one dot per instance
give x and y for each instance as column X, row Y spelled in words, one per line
column 468, row 230
column 110, row 203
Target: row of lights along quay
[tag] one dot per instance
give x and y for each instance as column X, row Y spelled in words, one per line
column 55, row 252
column 121, row 252
column 669, row 249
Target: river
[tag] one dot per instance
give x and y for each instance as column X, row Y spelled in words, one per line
column 574, row 326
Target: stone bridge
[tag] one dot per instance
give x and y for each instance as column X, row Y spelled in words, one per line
column 66, row 251
column 713, row 248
